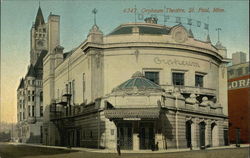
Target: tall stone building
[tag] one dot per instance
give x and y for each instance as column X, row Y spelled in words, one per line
column 238, row 58
column 30, row 90
column 140, row 86
column 238, row 99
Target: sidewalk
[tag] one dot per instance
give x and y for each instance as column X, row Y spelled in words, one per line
column 232, row 146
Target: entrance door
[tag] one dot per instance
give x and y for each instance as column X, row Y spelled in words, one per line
column 202, row 134
column 125, row 136
column 147, row 139
column 226, row 137
column 188, row 134
column 78, row 138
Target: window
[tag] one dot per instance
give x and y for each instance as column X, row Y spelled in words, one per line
column 28, row 92
column 247, row 70
column 83, row 86
column 33, row 98
column 178, row 78
column 41, row 96
column 33, row 92
column 73, row 91
column 231, row 72
column 20, row 115
column 33, row 110
column 29, row 109
column 23, row 115
column 67, row 89
column 152, row 76
column 91, row 134
column 199, row 80
column 41, row 111
column 239, row 71
column 28, row 98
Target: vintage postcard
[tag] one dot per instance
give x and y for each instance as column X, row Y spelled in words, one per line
column 106, row 78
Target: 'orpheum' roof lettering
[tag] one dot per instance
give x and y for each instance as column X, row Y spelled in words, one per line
column 176, row 62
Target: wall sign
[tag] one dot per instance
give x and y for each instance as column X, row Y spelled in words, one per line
column 239, row 84
column 176, row 62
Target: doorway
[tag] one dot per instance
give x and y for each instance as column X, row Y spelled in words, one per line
column 147, row 138
column 124, row 135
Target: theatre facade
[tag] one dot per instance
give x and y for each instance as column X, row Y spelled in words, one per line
column 142, row 86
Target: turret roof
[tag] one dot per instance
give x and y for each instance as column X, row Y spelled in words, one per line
column 39, row 18
column 21, row 85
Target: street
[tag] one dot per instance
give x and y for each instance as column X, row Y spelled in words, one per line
column 23, row 151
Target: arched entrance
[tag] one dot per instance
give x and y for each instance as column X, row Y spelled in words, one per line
column 189, row 134
column 202, row 135
column 214, row 134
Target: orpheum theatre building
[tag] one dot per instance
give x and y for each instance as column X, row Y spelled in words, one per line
column 238, row 103
column 140, row 86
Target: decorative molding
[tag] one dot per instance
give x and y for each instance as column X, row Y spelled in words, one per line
column 136, row 53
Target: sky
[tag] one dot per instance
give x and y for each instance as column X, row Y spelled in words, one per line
column 77, row 18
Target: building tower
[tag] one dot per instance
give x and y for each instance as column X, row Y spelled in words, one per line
column 30, row 92
column 38, row 37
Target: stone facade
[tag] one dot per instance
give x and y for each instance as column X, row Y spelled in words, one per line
column 178, row 99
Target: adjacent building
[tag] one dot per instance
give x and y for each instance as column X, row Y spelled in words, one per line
column 144, row 85
column 238, row 100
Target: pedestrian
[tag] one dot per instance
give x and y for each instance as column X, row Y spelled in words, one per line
column 118, row 148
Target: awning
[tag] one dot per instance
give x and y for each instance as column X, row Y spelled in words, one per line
column 130, row 113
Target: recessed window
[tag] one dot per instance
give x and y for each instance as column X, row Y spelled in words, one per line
column 41, row 111
column 247, row 70
column 231, row 72
column 29, row 110
column 152, row 76
column 41, row 96
column 33, row 110
column 239, row 71
column 91, row 134
column 199, row 80
column 178, row 78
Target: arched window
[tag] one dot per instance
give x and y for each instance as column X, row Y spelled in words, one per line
column 189, row 133
column 214, row 134
column 202, row 126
